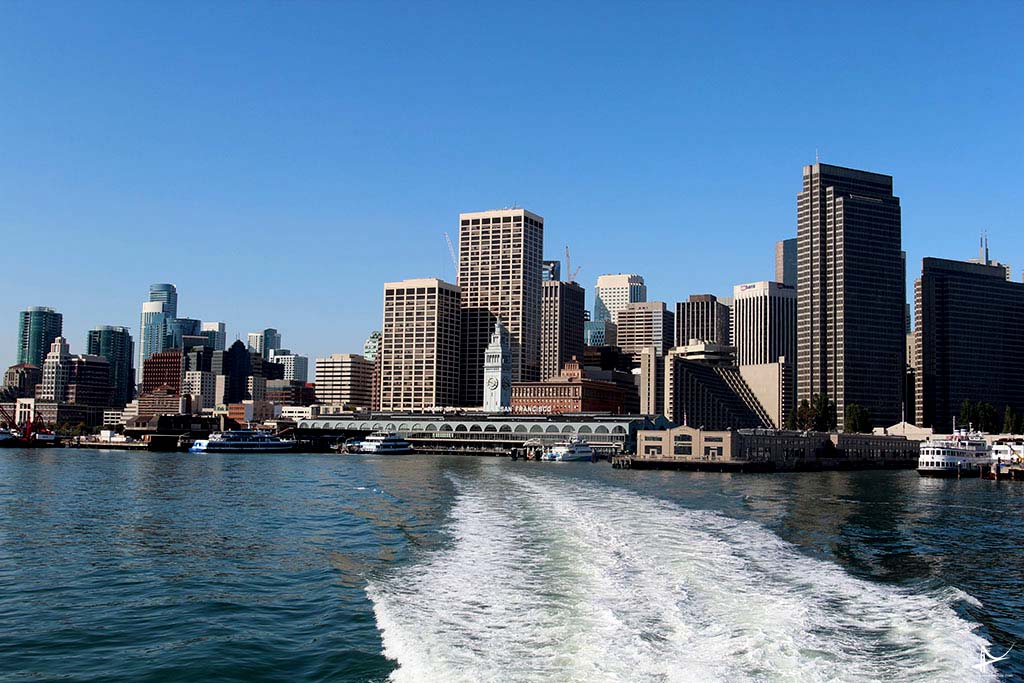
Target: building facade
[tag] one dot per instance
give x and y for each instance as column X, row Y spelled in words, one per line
column 216, row 335
column 344, row 379
column 702, row 317
column 600, row 333
column 570, row 392
column 612, row 293
column 264, row 342
column 152, row 330
column 371, row 346
column 850, row 292
column 785, row 262
column 21, row 380
column 38, row 327
column 500, row 280
column 162, row 369
column 420, row 345
column 640, row 325
column 764, row 323
column 561, row 330
column 296, row 367
column 970, row 323
column 115, row 344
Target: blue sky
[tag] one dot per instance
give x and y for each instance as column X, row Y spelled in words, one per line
column 280, row 161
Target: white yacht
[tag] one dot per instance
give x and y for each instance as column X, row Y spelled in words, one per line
column 961, row 455
column 242, row 441
column 384, row 443
column 575, row 449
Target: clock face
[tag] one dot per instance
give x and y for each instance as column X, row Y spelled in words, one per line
column 506, row 383
column 492, row 383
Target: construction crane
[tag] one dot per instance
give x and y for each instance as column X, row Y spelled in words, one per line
column 451, row 252
column 570, row 274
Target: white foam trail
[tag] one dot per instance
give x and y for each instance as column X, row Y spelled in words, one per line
column 552, row 581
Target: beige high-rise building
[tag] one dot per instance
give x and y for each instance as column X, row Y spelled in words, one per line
column 644, row 324
column 614, row 292
column 420, row 345
column 500, row 279
column 344, row 379
column 561, row 335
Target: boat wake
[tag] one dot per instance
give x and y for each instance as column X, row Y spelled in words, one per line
column 547, row 580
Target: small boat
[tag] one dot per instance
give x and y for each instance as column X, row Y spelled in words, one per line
column 573, row 450
column 384, row 443
column 242, row 441
column 961, row 455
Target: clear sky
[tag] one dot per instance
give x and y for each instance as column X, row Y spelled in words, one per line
column 279, row 161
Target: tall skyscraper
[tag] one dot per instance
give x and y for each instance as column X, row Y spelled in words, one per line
column 551, row 270
column 614, row 292
column 970, row 323
column 115, row 344
column 152, row 330
column 296, row 367
column 500, row 278
column 177, row 329
column 702, row 317
column 644, row 324
column 785, row 262
column 166, row 294
column 216, row 335
column 264, row 342
column 764, row 323
column 343, row 379
column 420, row 344
column 561, row 335
column 38, row 326
column 850, row 292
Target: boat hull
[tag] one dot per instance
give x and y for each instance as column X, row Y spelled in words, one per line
column 972, row 473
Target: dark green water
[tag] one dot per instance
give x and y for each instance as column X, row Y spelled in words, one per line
column 171, row 567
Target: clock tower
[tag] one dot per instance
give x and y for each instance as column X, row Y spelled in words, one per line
column 497, row 372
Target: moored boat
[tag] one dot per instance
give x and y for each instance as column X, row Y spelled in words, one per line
column 573, row 450
column 242, row 441
column 961, row 455
column 384, row 443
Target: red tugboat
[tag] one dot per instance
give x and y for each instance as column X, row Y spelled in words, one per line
column 33, row 434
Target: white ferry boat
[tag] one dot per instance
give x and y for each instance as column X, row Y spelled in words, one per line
column 242, row 441
column 961, row 455
column 384, row 443
column 575, row 449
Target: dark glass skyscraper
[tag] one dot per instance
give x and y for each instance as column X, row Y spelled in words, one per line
column 115, row 344
column 850, row 291
column 37, row 328
column 970, row 323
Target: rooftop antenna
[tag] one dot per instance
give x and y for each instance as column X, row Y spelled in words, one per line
column 817, row 156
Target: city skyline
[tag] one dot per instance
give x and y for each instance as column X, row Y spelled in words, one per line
column 637, row 139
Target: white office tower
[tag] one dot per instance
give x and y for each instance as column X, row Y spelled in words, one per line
column 614, row 292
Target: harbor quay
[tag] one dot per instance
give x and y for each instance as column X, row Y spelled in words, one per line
column 767, row 450
column 482, row 433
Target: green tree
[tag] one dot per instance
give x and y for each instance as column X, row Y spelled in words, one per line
column 1009, row 420
column 988, row 418
column 967, row 414
column 805, row 416
column 857, row 419
column 792, row 421
column 824, row 410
